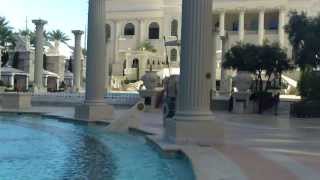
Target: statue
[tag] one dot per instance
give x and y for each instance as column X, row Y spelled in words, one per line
column 22, row 43
column 54, row 49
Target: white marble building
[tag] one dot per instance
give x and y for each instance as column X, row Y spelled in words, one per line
column 132, row 22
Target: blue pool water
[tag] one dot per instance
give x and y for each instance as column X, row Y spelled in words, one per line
column 37, row 148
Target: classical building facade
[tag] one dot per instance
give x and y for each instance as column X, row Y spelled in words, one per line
column 131, row 24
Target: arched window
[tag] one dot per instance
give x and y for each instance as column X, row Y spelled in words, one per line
column 154, row 31
column 108, row 32
column 129, row 29
column 173, row 55
column 135, row 63
column 174, row 27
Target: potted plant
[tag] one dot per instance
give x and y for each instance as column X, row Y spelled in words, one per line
column 265, row 63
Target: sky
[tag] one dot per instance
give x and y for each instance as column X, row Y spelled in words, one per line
column 66, row 15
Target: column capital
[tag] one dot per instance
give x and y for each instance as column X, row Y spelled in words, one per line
column 111, row 20
column 221, row 10
column 241, row 9
column 262, row 9
column 39, row 22
column 282, row 8
column 77, row 32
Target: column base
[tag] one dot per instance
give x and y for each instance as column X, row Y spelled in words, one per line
column 94, row 112
column 194, row 129
column 76, row 90
column 36, row 89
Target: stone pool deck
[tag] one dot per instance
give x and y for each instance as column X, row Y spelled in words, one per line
column 257, row 147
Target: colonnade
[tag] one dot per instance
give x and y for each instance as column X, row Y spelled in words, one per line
column 261, row 24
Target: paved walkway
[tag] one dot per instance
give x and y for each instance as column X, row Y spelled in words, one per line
column 260, row 147
column 257, row 147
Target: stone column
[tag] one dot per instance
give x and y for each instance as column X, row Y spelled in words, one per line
column 214, row 64
column 27, row 83
column 142, row 30
column 116, row 39
column 261, row 30
column 281, row 28
column 38, row 70
column 225, row 83
column 222, row 23
column 241, row 25
column 12, row 80
column 77, row 60
column 194, row 121
column 95, row 107
column 113, row 40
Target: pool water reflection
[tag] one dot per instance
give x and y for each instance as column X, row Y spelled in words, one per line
column 37, row 148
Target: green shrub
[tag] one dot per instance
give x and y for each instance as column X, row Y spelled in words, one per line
column 309, row 86
column 305, row 109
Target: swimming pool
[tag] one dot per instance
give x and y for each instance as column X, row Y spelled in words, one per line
column 40, row 148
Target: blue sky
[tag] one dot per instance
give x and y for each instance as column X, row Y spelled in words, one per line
column 65, row 15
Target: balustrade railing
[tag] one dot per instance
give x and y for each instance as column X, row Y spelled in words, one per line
column 113, row 98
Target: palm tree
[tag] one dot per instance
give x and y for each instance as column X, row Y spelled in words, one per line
column 6, row 34
column 57, row 35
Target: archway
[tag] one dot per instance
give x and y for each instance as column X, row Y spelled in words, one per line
column 124, row 66
column 135, row 65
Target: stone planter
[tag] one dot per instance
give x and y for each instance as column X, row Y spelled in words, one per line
column 16, row 101
column 243, row 81
column 2, row 89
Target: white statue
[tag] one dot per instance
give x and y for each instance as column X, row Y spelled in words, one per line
column 128, row 119
column 54, row 49
column 243, row 81
column 22, row 43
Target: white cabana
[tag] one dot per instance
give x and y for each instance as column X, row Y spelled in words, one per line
column 14, row 78
column 50, row 80
column 68, row 79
